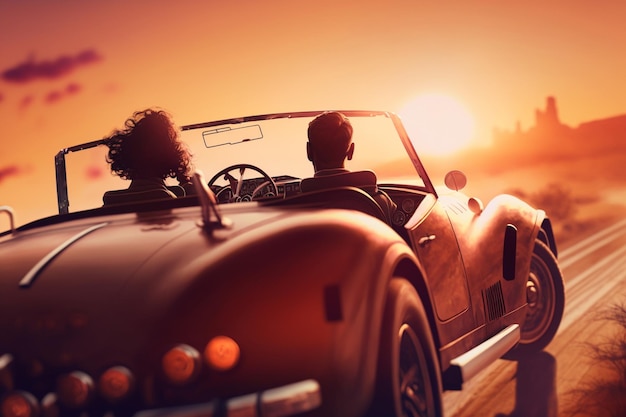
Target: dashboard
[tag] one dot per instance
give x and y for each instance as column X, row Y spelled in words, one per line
column 406, row 199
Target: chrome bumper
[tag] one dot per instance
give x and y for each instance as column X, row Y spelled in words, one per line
column 276, row 402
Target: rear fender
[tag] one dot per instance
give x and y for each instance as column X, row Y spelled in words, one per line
column 311, row 285
column 507, row 229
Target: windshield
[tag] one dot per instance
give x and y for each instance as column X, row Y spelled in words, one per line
column 276, row 144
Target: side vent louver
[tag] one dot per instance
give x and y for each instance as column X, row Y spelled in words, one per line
column 494, row 301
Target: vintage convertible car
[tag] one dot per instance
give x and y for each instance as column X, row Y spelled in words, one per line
column 257, row 293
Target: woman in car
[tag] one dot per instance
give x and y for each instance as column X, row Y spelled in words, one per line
column 147, row 151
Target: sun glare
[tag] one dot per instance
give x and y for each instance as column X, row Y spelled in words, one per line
column 438, row 124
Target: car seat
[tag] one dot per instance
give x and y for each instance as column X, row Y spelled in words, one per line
column 128, row 196
column 349, row 198
column 365, row 180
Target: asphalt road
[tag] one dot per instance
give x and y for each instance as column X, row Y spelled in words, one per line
column 594, row 270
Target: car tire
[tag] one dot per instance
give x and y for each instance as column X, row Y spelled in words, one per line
column 408, row 377
column 545, row 293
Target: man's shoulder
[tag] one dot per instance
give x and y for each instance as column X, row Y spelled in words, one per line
column 330, row 171
column 344, row 178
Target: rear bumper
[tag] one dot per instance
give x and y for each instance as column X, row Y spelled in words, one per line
column 283, row 401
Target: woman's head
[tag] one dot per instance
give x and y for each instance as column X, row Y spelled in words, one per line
column 149, row 146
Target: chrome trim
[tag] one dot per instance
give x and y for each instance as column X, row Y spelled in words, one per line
column 195, row 410
column 6, row 376
column 211, row 216
column 243, row 406
column 35, row 270
column 291, row 399
column 5, row 361
column 284, row 401
column 466, row 366
column 9, row 211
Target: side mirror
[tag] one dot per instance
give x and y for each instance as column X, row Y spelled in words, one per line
column 455, row 180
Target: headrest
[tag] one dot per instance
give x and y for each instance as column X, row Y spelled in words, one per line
column 127, row 196
column 360, row 179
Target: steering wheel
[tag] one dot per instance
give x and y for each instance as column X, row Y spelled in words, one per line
column 233, row 192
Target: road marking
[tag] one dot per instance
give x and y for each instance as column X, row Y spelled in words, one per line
column 586, row 288
column 591, row 286
column 583, row 248
column 606, row 261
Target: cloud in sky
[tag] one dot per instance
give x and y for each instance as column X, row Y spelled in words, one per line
column 32, row 70
column 9, row 171
column 26, row 102
column 56, row 95
column 94, row 172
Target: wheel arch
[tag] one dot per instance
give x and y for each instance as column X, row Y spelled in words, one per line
column 546, row 232
column 407, row 268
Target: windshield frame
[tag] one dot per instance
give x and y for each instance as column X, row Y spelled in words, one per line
column 61, row 171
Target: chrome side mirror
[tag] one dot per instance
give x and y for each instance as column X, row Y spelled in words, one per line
column 455, row 180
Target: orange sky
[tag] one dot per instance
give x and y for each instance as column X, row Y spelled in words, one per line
column 205, row 60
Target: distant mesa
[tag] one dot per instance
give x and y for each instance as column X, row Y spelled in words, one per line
column 550, row 137
column 548, row 141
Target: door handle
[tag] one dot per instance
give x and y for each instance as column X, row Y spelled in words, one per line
column 423, row 241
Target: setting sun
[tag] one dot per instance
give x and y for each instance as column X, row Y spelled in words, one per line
column 438, row 124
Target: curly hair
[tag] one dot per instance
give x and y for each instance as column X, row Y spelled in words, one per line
column 149, row 146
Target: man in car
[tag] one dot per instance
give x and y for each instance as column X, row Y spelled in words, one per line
column 329, row 146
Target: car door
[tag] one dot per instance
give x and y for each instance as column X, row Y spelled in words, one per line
column 435, row 244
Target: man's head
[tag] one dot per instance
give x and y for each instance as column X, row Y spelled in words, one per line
column 330, row 141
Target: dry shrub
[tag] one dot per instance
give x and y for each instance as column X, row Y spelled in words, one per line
column 555, row 199
column 605, row 396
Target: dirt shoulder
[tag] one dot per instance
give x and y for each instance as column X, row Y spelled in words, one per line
column 580, row 194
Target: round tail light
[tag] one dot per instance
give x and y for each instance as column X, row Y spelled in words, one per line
column 222, row 353
column 19, row 404
column 75, row 389
column 116, row 383
column 181, row 364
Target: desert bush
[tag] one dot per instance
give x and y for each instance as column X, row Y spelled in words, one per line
column 556, row 199
column 605, row 396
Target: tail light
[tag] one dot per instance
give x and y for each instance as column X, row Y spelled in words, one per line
column 75, row 389
column 181, row 364
column 116, row 383
column 19, row 404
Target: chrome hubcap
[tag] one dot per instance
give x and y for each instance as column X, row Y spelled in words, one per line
column 531, row 292
column 540, row 298
column 413, row 389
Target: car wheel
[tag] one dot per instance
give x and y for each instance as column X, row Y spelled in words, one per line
column 408, row 378
column 546, row 299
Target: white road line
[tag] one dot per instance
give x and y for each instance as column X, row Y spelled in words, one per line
column 602, row 283
column 606, row 261
column 586, row 288
column 583, row 248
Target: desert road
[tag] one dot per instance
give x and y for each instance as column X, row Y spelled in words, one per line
column 594, row 270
